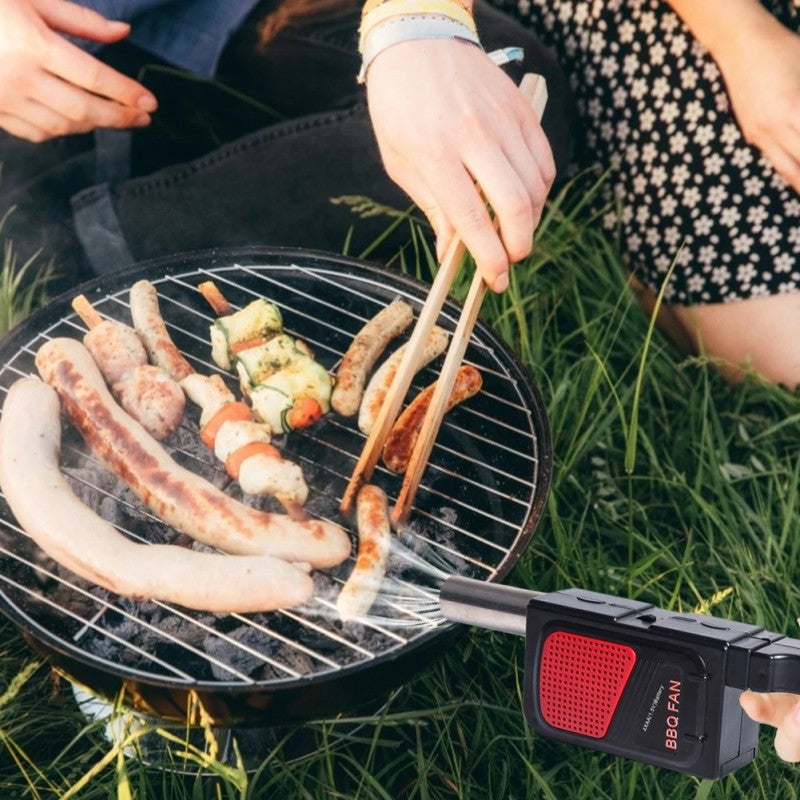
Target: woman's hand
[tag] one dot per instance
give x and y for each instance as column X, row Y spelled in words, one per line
column 448, row 120
column 780, row 710
column 50, row 87
column 761, row 67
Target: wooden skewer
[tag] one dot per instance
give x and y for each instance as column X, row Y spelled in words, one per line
column 215, row 298
column 405, row 373
column 84, row 309
column 535, row 90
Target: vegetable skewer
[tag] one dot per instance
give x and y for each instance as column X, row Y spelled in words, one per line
column 287, row 388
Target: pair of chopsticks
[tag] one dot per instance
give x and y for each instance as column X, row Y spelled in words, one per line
column 534, row 88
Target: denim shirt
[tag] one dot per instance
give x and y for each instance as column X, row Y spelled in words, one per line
column 188, row 33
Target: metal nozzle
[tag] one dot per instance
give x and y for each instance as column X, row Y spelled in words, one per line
column 487, row 605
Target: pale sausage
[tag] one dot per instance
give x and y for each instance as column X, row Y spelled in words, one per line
column 150, row 326
column 381, row 381
column 77, row 538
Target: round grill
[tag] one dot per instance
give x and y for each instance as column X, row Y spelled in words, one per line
column 477, row 507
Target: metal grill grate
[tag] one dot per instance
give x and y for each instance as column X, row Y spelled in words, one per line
column 475, row 510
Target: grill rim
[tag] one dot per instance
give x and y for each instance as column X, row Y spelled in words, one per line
column 77, row 660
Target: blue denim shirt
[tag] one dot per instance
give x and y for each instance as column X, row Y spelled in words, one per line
column 188, row 33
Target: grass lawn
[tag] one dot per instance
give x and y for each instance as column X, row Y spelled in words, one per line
column 669, row 486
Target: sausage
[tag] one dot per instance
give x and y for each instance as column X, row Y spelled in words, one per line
column 374, row 542
column 149, row 324
column 403, row 436
column 380, row 383
column 76, row 537
column 177, row 496
column 146, row 392
column 364, row 351
column 116, row 348
column 152, row 398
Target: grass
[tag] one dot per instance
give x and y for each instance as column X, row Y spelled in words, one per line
column 669, row 486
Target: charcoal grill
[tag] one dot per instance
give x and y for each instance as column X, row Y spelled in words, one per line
column 476, row 510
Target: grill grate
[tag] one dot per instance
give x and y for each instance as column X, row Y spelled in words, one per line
column 475, row 509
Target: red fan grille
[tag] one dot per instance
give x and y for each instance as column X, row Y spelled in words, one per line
column 581, row 681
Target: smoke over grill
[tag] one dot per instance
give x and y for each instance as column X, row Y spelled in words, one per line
column 480, row 500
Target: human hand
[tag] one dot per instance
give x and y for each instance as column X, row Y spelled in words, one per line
column 49, row 86
column 761, row 68
column 448, row 121
column 780, row 710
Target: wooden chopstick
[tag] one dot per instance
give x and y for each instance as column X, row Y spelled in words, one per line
column 535, row 89
column 405, row 372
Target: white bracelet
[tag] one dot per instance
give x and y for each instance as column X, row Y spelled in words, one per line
column 411, row 28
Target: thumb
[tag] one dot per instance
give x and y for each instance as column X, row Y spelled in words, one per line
column 782, row 711
column 759, row 707
column 787, row 738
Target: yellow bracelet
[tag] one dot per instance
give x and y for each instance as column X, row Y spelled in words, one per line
column 388, row 9
column 372, row 4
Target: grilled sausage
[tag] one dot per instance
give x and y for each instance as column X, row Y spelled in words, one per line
column 152, row 398
column 150, row 326
column 116, row 348
column 403, row 436
column 364, row 351
column 381, row 381
column 146, row 392
column 176, row 495
column 374, row 541
column 77, row 538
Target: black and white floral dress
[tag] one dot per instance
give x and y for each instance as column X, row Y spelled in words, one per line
column 654, row 107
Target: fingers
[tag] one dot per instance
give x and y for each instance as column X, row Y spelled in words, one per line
column 83, row 70
column 22, row 128
column 461, row 203
column 78, row 20
column 84, row 110
column 455, row 133
column 782, row 711
column 762, row 708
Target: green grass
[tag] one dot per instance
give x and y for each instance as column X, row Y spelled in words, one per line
column 669, row 486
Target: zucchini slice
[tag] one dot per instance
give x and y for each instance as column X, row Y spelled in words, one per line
column 256, row 320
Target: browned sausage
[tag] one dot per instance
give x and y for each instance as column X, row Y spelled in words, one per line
column 176, row 495
column 374, row 541
column 403, row 436
column 362, row 354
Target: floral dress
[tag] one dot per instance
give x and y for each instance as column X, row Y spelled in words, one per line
column 686, row 186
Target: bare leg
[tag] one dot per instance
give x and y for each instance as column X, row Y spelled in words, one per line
column 761, row 334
